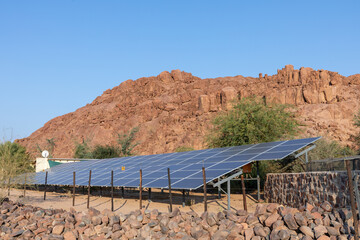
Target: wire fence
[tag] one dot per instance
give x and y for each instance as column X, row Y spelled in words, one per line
column 336, row 164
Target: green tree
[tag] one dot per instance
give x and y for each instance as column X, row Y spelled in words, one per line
column 127, row 143
column 83, row 150
column 107, row 151
column 13, row 161
column 251, row 121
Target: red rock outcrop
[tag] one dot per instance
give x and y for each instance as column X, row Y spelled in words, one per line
column 175, row 109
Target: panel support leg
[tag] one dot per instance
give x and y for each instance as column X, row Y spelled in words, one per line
column 183, row 198
column 219, row 190
column 258, row 180
column 228, row 194
column 149, row 198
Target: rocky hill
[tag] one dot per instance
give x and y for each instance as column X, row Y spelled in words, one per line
column 175, row 109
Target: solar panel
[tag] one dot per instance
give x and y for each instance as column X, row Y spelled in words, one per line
column 185, row 167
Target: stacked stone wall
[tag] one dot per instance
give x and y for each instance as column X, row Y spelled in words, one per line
column 296, row 189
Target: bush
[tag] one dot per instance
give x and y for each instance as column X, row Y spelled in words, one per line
column 83, row 150
column 13, row 161
column 326, row 149
column 106, row 151
column 184, row 149
column 126, row 142
column 252, row 121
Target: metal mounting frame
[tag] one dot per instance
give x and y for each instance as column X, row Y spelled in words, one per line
column 228, row 179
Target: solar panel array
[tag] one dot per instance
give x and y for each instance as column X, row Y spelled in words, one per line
column 185, row 167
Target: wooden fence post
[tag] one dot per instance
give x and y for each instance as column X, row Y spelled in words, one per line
column 89, row 186
column 112, row 190
column 73, row 189
column 170, row 195
column 140, row 192
column 243, row 192
column 46, row 176
column 205, row 196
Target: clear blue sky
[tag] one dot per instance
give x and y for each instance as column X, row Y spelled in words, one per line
column 57, row 56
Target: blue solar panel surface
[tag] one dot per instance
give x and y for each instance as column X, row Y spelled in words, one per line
column 185, row 167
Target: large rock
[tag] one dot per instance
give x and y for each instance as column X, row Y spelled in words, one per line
column 290, row 221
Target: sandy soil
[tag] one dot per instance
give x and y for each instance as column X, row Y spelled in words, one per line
column 131, row 201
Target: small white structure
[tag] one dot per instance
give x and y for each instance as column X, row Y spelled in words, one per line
column 42, row 164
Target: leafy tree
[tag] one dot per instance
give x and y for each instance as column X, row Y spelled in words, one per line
column 107, row 151
column 83, row 150
column 13, row 161
column 251, row 121
column 184, row 149
column 126, row 142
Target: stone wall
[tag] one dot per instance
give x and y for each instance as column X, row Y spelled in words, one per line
column 296, row 189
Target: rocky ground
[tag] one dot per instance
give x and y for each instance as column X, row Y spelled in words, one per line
column 269, row 221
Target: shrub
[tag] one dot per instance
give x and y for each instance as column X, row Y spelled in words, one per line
column 83, row 150
column 106, row 151
column 13, row 161
column 126, row 142
column 326, row 149
column 184, row 149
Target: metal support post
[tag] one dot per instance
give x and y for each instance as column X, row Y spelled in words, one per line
column 89, row 186
column 112, row 190
column 183, row 198
column 73, row 203
column 307, row 161
column 228, row 194
column 243, row 192
column 140, row 192
column 170, row 196
column 149, row 198
column 205, row 197
column 258, row 180
column 46, row 176
column 219, row 190
column 122, row 192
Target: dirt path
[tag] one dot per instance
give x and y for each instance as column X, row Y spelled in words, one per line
column 130, row 202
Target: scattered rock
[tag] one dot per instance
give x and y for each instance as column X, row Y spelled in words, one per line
column 26, row 222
